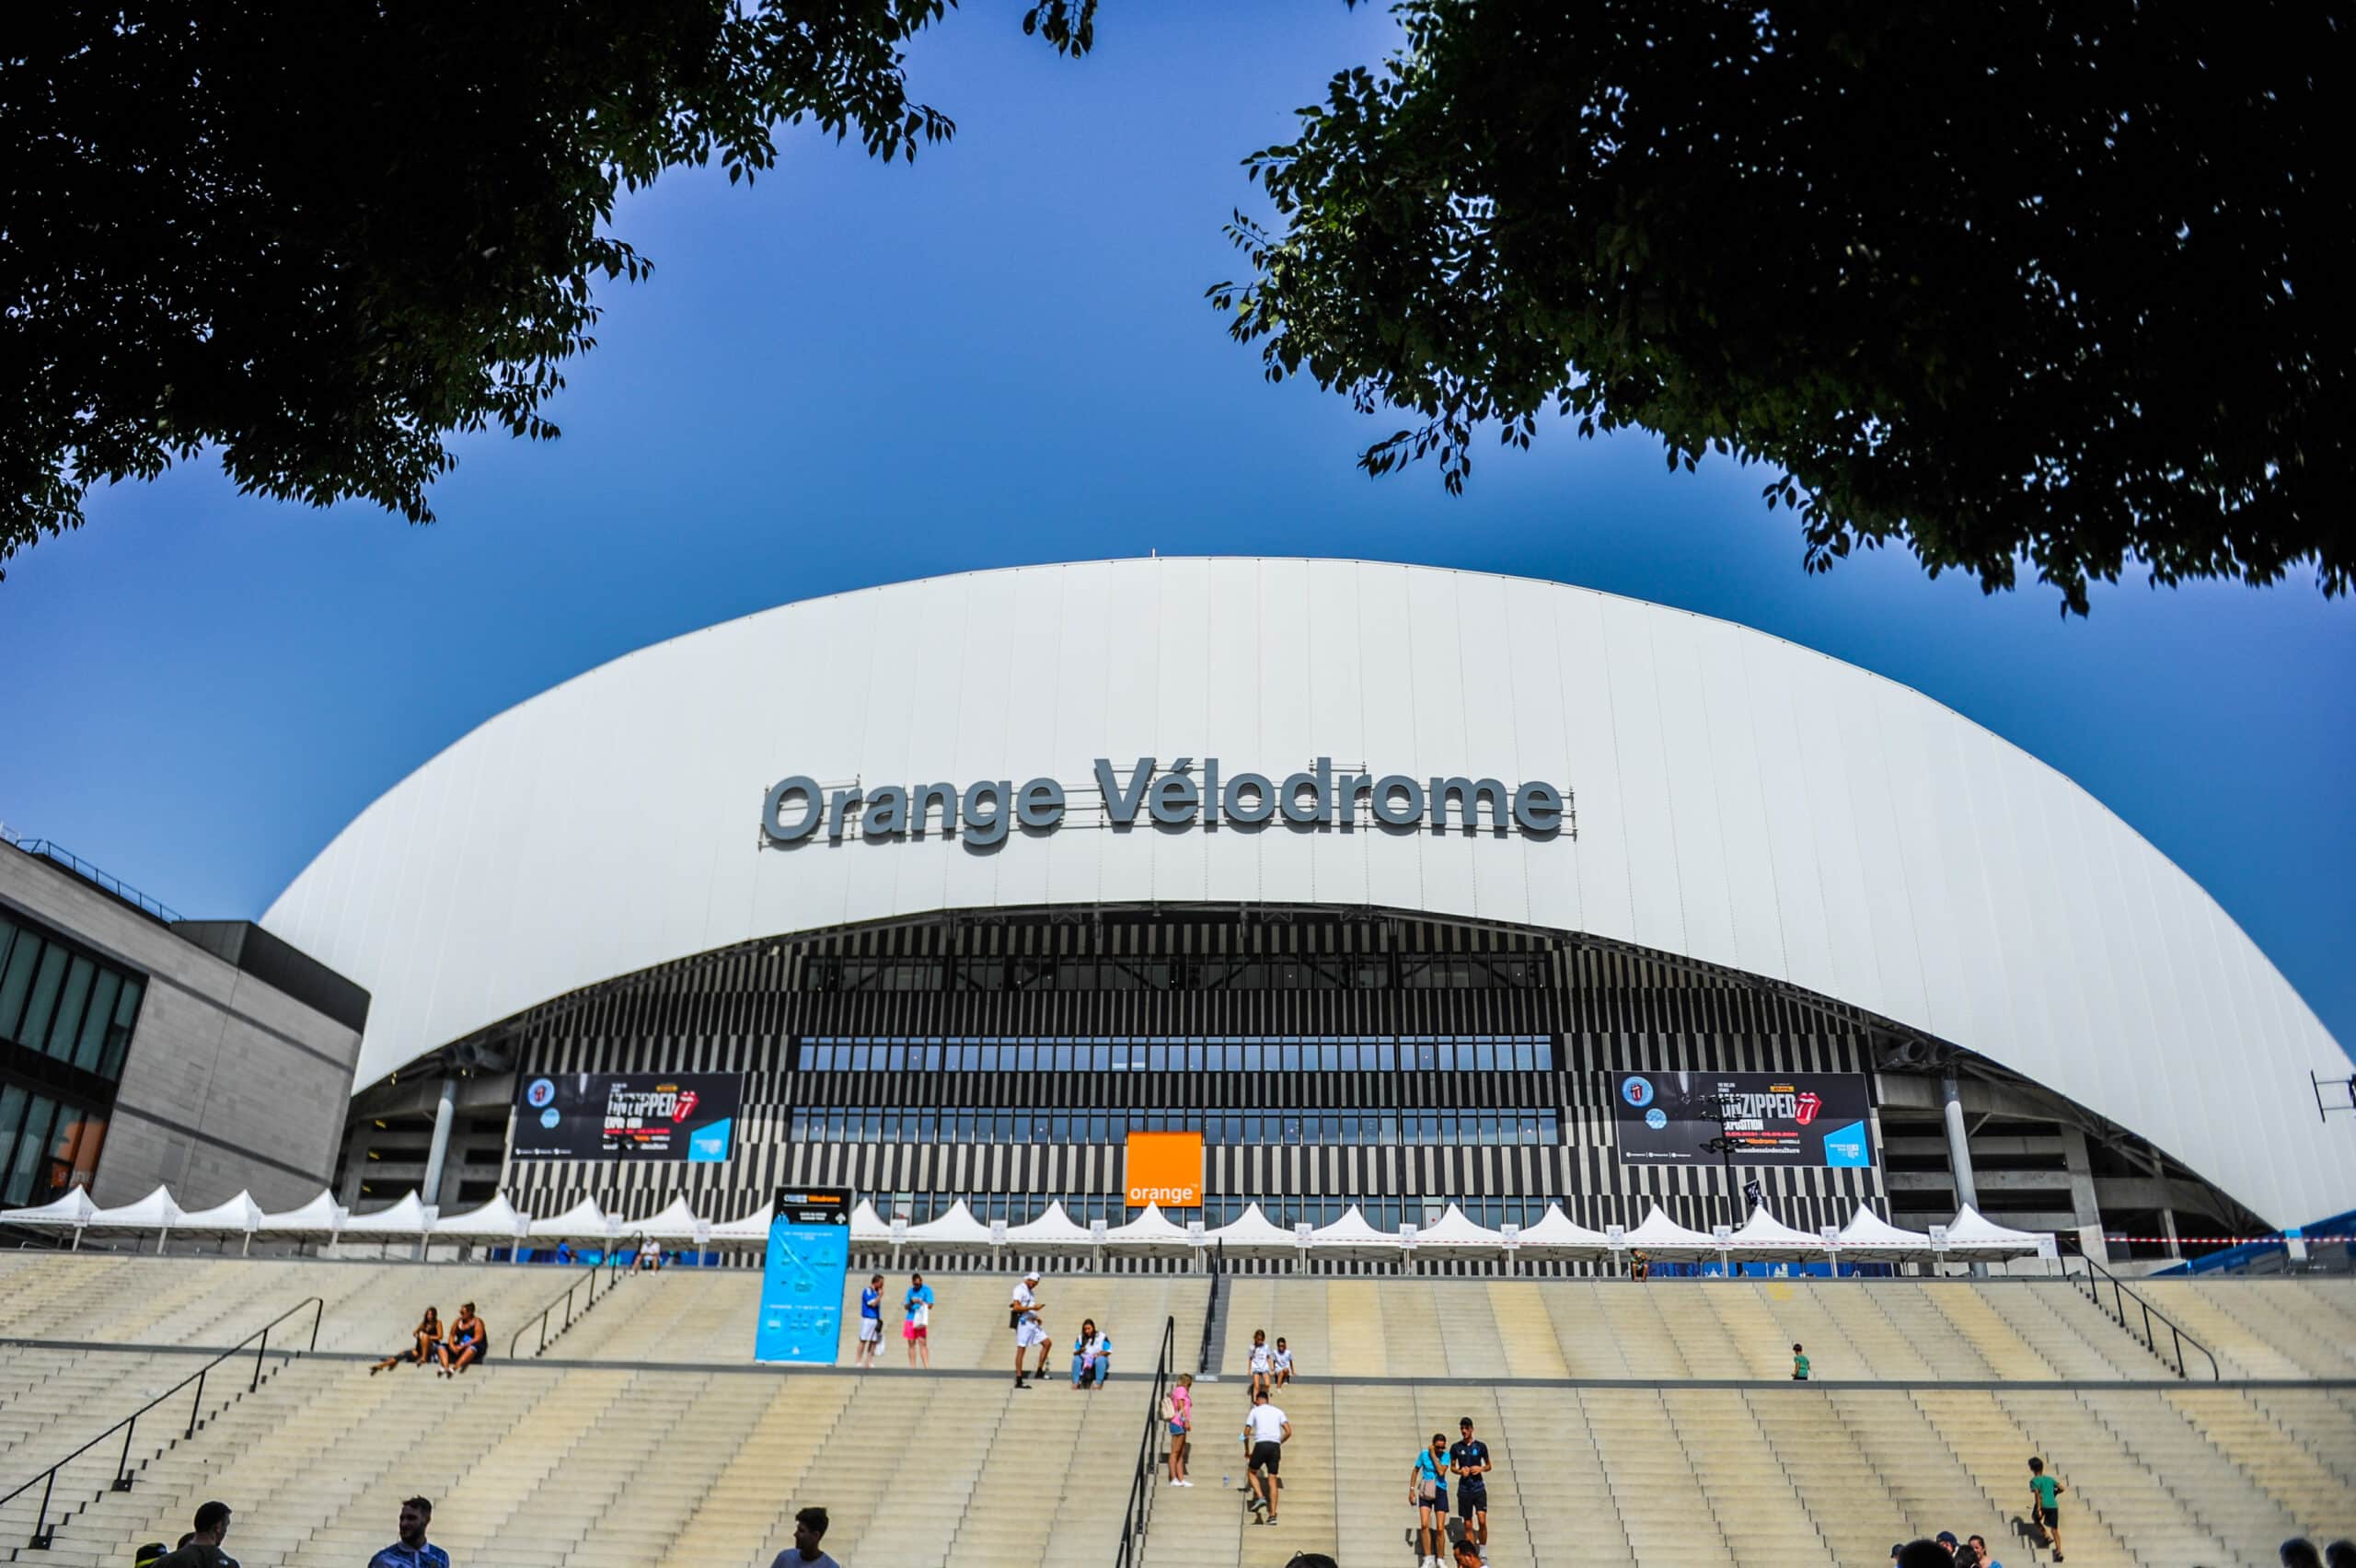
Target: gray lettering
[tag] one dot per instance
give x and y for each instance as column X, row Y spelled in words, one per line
column 1173, row 798
column 1040, row 806
column 1264, row 798
column 887, row 811
column 927, row 795
column 986, row 813
column 1318, row 782
column 1385, row 813
column 1210, row 791
column 1122, row 807
column 1346, row 791
column 1469, row 796
column 814, row 804
column 839, row 818
column 1538, row 808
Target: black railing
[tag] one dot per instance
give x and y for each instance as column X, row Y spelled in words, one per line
column 2129, row 1310
column 1135, row 1518
column 129, row 1424
column 610, row 1266
column 1210, row 1308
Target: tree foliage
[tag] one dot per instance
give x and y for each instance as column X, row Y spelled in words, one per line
column 2003, row 281
column 327, row 238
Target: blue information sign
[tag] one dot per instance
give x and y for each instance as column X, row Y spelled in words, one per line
column 801, row 1286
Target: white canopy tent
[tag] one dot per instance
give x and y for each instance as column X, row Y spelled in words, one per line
column 495, row 1221
column 867, row 1228
column 1253, row 1231
column 1976, row 1236
column 71, row 1212
column 406, row 1218
column 1661, row 1237
column 1460, row 1232
column 321, row 1219
column 1559, row 1236
column 1868, row 1238
column 1053, row 1228
column 1352, row 1237
column 1763, row 1238
column 953, row 1227
column 585, row 1221
column 749, row 1228
column 676, row 1221
column 159, row 1212
column 1152, row 1231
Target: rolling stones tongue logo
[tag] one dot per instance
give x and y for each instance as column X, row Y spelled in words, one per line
column 1809, row 1105
column 686, row 1104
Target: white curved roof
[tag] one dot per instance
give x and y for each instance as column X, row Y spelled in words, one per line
column 1740, row 800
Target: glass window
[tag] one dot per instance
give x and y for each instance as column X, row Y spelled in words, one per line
column 1489, row 1134
column 43, row 1004
column 1550, row 1127
column 1484, row 1056
column 31, row 1149
column 67, row 1027
column 964, row 1131
column 1004, row 1132
column 1546, row 1055
column 89, row 1046
column 16, row 981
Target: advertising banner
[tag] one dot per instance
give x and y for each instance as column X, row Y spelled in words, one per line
column 1772, row 1118
column 1165, row 1168
column 801, row 1280
column 690, row 1116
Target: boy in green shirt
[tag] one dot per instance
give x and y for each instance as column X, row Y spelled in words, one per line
column 1800, row 1364
column 2043, row 1490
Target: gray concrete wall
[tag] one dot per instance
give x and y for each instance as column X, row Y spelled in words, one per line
column 228, row 1084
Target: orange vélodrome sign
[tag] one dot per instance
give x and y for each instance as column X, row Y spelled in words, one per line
column 1165, row 1168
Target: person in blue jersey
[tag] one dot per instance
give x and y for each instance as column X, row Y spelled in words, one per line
column 871, row 1321
column 916, row 1308
column 1470, row 1460
column 412, row 1551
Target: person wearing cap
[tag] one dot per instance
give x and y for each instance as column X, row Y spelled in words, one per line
column 1023, row 1311
column 1469, row 1460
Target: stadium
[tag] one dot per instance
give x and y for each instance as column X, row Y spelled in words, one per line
column 1537, row 1008
column 776, row 854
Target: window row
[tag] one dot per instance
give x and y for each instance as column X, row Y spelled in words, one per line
column 1385, row 1213
column 1354, row 972
column 1414, row 1053
column 64, row 1004
column 1234, row 1129
column 46, row 1146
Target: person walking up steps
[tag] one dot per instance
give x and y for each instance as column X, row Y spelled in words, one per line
column 1427, row 1485
column 1269, row 1432
column 1023, row 1311
column 1470, row 1460
column 2045, row 1507
column 201, row 1547
column 916, row 1328
column 870, row 1322
column 1178, row 1410
column 1800, row 1364
column 412, row 1551
column 1263, row 1363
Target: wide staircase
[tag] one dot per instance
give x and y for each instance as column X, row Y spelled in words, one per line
column 1630, row 1423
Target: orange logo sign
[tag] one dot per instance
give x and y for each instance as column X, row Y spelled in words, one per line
column 1165, row 1168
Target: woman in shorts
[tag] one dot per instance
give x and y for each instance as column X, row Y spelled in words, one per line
column 917, row 1326
column 1182, row 1422
column 1430, row 1493
column 425, row 1345
column 1263, row 1364
column 468, row 1344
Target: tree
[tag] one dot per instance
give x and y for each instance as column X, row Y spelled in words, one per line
column 2002, row 282
column 325, row 238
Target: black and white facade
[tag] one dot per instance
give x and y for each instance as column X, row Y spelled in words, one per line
column 1381, row 878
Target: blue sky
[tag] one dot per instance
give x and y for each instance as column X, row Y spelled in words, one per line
column 855, row 373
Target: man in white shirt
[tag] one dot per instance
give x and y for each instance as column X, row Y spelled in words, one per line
column 1269, row 1432
column 809, row 1529
column 1028, row 1331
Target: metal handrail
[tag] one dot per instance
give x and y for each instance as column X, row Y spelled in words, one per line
column 1210, row 1308
column 43, row 1534
column 610, row 1266
column 2091, row 1283
column 1138, row 1514
column 51, row 849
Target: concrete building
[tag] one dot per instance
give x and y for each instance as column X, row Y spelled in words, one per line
column 1402, row 886
column 137, row 1048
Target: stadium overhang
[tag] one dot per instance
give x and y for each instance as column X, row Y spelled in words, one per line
column 1332, row 733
